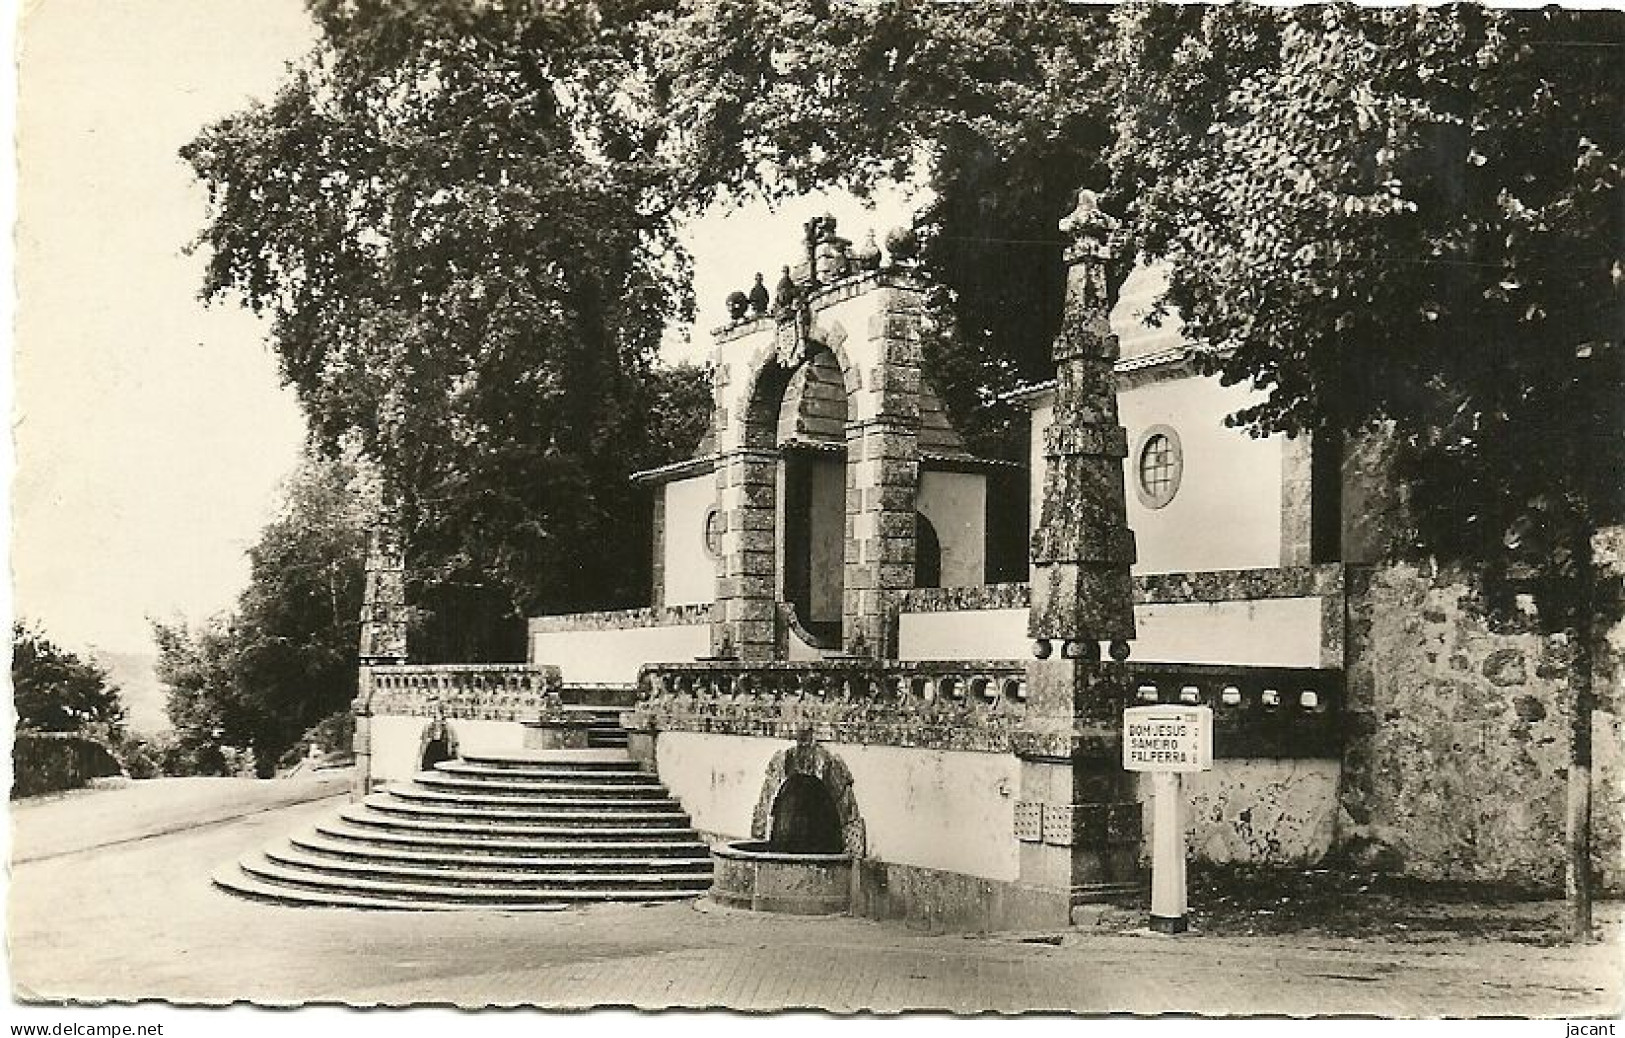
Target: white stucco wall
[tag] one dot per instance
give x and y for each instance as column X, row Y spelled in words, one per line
column 614, row 656
column 1274, row 632
column 1284, row 632
column 998, row 634
column 717, row 778
column 1256, row 811
column 690, row 571
column 396, row 739
column 956, row 504
column 938, row 809
column 1227, row 511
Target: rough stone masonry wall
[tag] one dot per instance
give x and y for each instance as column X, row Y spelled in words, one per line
column 1458, row 740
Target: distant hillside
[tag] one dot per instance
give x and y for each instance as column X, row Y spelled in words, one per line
column 138, row 686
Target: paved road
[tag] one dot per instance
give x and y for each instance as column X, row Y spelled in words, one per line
column 102, row 816
column 139, row 920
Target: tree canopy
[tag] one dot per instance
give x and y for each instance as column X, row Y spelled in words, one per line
column 1410, row 218
column 462, row 217
column 1397, row 219
column 55, row 690
column 284, row 659
column 449, row 221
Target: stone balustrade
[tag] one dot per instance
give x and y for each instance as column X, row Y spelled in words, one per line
column 1287, row 712
column 1257, row 711
column 486, row 692
column 955, row 705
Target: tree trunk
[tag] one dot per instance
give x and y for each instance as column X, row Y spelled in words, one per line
column 1577, row 879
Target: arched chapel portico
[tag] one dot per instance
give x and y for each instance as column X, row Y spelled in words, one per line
column 866, row 327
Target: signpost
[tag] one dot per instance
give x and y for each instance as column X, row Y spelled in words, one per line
column 1168, row 741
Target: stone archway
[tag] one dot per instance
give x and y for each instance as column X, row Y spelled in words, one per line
column 756, row 568
column 804, row 762
column 880, row 373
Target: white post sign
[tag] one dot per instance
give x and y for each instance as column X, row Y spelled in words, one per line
column 1168, row 741
column 1168, row 738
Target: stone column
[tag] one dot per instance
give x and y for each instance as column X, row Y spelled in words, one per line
column 1077, row 819
column 742, row 625
column 744, row 426
column 383, row 628
column 882, row 470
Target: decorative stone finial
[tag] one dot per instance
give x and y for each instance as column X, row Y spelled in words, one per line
column 1087, row 219
column 868, row 254
column 785, row 295
column 759, row 299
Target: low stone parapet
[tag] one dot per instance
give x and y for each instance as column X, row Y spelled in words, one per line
column 409, row 715
column 606, row 648
column 1276, row 712
column 486, row 691
column 955, row 705
column 1284, row 712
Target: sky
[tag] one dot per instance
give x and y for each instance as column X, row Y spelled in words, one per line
column 150, row 431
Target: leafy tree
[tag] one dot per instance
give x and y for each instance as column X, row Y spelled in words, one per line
column 285, row 658
column 54, row 690
column 462, row 239
column 1002, row 116
column 1412, row 219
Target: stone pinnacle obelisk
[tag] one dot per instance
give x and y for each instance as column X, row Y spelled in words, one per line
column 1082, row 551
column 1077, row 821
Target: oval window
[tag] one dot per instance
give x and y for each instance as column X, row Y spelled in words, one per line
column 713, row 533
column 1159, row 466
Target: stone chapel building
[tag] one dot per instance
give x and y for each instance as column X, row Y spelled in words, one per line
column 844, row 591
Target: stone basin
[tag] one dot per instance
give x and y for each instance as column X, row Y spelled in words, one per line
column 751, row 874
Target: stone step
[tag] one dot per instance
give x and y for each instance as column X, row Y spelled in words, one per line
column 590, row 759
column 445, row 828
column 597, row 711
column 621, row 818
column 579, row 784
column 242, row 884
column 469, row 896
column 503, row 831
column 549, row 773
column 563, row 857
column 517, row 803
column 530, row 879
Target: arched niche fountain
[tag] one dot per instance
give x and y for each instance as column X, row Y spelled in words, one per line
column 806, row 834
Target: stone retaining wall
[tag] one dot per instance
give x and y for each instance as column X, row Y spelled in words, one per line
column 1458, row 740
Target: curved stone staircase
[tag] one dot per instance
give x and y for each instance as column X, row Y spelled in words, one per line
column 542, row 830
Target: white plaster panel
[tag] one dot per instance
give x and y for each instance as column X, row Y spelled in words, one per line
column 1284, row 632
column 396, row 740
column 937, row 809
column 1274, row 632
column 717, row 778
column 614, row 656
column 1227, row 512
column 982, row 634
column 1255, row 811
column 956, row 504
column 690, row 571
